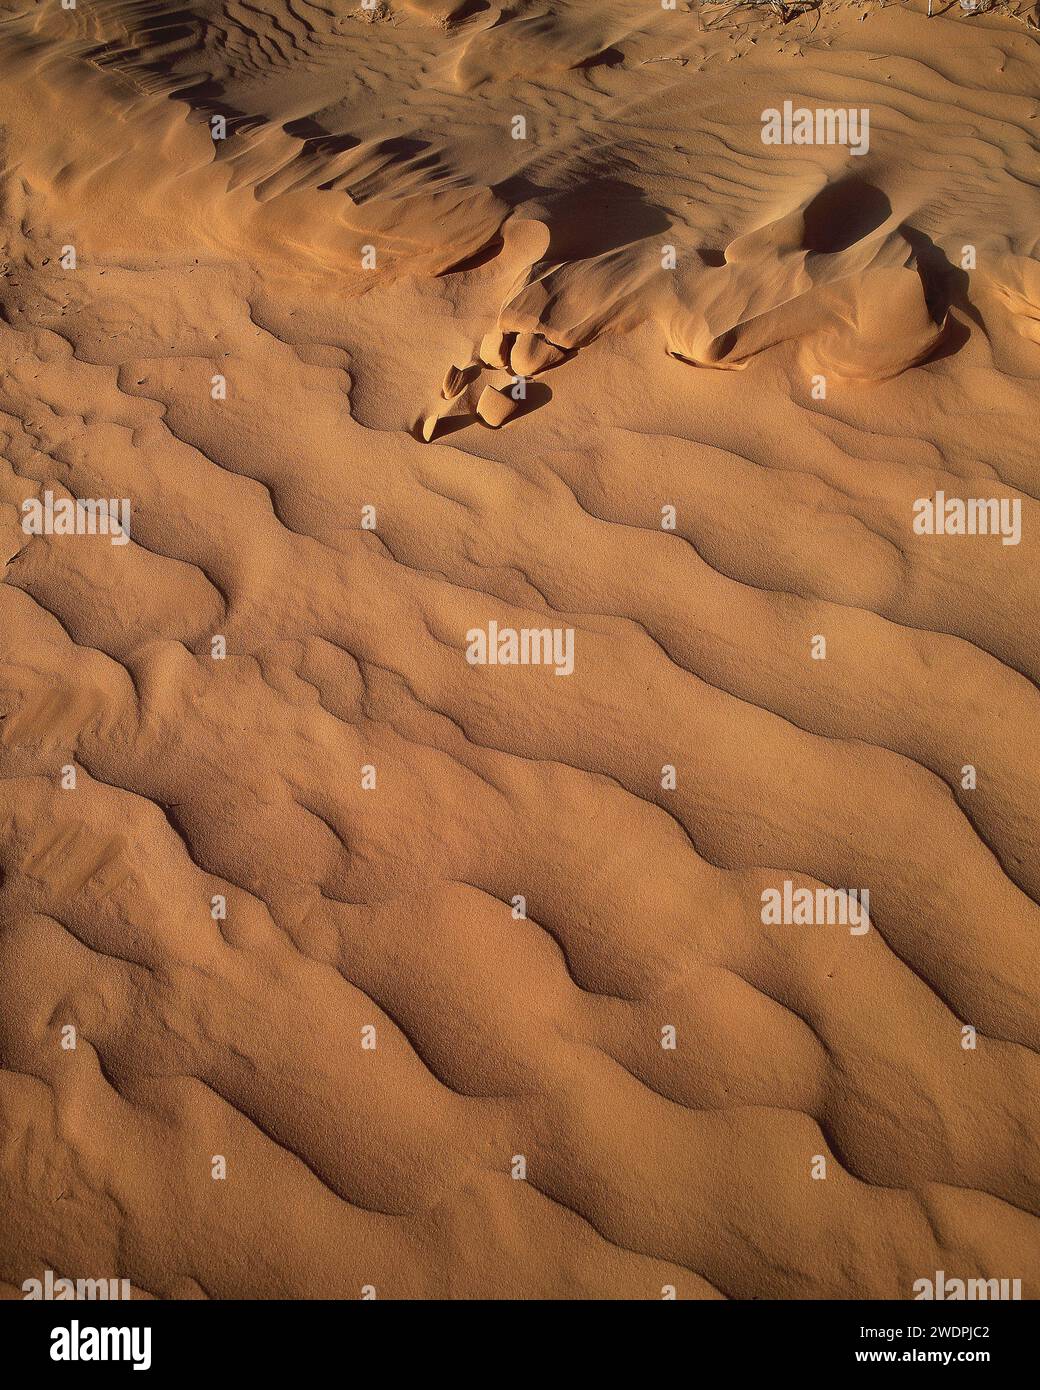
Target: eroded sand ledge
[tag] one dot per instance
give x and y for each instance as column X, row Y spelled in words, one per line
column 655, row 381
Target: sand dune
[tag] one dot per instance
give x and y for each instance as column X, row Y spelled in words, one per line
column 314, row 250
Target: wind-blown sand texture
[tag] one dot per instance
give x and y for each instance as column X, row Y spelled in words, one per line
column 368, row 259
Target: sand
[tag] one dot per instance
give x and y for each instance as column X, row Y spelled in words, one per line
column 337, row 961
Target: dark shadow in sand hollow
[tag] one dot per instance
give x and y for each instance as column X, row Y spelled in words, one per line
column 599, row 215
column 587, row 219
column 945, row 287
column 538, row 394
column 451, row 424
column 842, row 214
column 606, row 58
column 945, row 284
column 477, row 259
column 952, row 339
